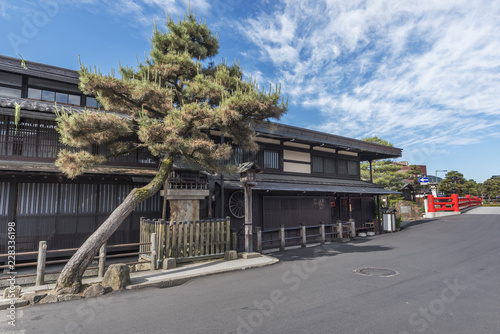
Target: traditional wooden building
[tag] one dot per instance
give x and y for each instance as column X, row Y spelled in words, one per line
column 43, row 203
column 308, row 176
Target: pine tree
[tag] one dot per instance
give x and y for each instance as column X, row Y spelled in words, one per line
column 384, row 172
column 454, row 182
column 168, row 104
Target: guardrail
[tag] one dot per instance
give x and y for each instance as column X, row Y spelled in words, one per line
column 452, row 203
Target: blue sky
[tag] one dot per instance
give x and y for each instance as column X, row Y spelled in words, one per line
column 421, row 74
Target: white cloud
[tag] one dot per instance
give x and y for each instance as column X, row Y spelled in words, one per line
column 137, row 11
column 145, row 11
column 411, row 71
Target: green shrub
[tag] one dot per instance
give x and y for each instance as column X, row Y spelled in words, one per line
column 399, row 222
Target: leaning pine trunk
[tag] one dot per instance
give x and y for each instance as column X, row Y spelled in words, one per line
column 70, row 279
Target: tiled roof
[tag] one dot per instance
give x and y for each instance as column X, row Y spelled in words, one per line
column 278, row 182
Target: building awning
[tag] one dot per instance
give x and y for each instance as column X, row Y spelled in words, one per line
column 311, row 184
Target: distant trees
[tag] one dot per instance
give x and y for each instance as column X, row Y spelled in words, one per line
column 490, row 188
column 455, row 183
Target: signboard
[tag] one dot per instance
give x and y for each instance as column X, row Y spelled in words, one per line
column 423, row 180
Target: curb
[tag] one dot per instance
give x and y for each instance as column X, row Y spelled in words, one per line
column 5, row 304
column 171, row 282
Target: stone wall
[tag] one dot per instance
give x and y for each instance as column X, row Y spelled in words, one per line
column 408, row 210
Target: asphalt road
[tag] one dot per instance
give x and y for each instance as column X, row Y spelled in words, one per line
column 447, row 282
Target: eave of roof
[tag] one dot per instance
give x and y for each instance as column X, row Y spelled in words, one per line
column 277, row 182
column 365, row 150
column 44, row 71
column 47, row 167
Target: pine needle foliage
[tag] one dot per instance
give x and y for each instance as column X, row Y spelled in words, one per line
column 170, row 102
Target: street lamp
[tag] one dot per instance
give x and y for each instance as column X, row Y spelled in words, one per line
column 248, row 180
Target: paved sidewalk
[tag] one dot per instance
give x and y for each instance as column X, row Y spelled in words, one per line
column 170, row 277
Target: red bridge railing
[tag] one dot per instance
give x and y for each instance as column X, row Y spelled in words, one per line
column 452, row 203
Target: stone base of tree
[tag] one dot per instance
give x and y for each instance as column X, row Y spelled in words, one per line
column 95, row 290
column 49, row 299
column 32, row 297
column 10, row 293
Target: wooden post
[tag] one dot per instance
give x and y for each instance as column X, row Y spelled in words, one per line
column 208, row 240
column 185, row 240
column 353, row 227
column 192, row 252
column 153, row 251
column 282, row 237
column 212, row 237
column 197, row 239
column 40, row 269
column 102, row 260
column 340, row 234
column 203, row 240
column 228, row 233
column 248, row 219
column 322, row 232
column 168, row 240
column 234, row 245
column 161, row 239
column 180, row 228
column 222, row 236
column 303, row 236
column 217, row 237
column 174, row 240
column 258, row 245
column 141, row 235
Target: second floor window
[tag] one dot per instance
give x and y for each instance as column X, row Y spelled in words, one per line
column 91, row 102
column 10, row 84
column 51, row 96
column 323, row 165
column 271, row 159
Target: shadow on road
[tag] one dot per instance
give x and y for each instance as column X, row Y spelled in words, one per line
column 416, row 222
column 333, row 249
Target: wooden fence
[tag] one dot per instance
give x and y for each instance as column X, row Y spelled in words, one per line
column 187, row 240
column 42, row 254
column 302, row 235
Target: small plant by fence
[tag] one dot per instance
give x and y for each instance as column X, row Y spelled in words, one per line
column 187, row 240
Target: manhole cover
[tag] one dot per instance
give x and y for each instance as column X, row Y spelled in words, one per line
column 376, row 272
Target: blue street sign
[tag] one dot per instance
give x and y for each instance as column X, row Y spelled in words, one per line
column 423, row 179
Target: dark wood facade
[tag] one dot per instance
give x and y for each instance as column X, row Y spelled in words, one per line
column 43, row 203
column 65, row 212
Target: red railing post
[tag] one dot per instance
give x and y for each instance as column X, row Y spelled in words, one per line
column 454, row 201
column 469, row 200
column 430, row 202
